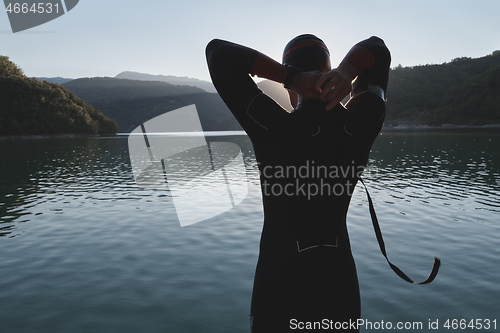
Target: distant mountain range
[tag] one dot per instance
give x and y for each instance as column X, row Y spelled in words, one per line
column 131, row 102
column 176, row 80
column 58, row 79
column 462, row 92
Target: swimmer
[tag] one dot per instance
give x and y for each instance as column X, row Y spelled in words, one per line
column 305, row 270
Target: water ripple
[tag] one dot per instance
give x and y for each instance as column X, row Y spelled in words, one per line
column 84, row 249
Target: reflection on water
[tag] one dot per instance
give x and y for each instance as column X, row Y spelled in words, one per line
column 210, row 177
column 59, row 172
column 83, row 248
column 437, row 194
column 448, row 166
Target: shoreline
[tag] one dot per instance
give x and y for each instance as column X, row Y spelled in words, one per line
column 122, row 134
column 52, row 136
column 444, row 126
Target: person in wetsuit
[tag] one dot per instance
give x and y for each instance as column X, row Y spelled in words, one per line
column 309, row 162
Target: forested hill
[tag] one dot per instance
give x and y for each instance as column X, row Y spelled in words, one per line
column 29, row 106
column 131, row 102
column 176, row 80
column 464, row 91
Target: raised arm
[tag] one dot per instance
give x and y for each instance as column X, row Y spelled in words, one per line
column 368, row 61
column 372, row 59
column 230, row 65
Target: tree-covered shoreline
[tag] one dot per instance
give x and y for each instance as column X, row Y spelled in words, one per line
column 32, row 107
column 462, row 92
column 132, row 102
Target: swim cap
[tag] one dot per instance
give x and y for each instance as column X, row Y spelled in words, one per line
column 307, row 52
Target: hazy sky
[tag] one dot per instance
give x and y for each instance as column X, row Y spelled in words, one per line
column 106, row 37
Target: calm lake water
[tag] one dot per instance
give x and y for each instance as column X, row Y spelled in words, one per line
column 85, row 250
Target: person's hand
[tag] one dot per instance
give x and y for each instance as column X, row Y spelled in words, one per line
column 336, row 84
column 304, row 84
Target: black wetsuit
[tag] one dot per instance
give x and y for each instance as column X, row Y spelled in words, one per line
column 309, row 160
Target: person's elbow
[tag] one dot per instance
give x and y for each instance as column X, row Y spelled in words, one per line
column 213, row 46
column 383, row 53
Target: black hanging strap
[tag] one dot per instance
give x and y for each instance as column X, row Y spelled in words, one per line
column 378, row 233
